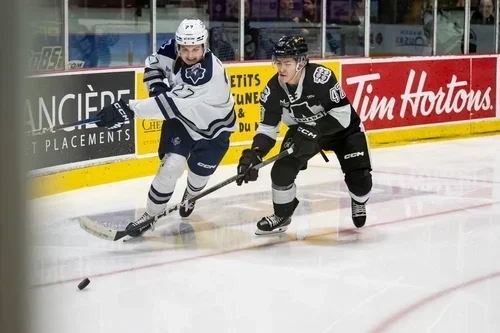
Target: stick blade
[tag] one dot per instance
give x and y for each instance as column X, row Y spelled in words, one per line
column 97, row 230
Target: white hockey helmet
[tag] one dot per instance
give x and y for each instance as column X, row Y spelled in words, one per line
column 191, row 32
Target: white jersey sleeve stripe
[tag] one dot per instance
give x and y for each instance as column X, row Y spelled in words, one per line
column 150, row 82
column 152, row 74
column 166, row 111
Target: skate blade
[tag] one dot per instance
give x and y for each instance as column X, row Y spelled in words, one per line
column 132, row 240
column 137, row 239
column 276, row 231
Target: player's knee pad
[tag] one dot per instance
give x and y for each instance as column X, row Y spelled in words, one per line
column 163, row 185
column 359, row 183
column 171, row 169
column 284, row 171
column 195, row 182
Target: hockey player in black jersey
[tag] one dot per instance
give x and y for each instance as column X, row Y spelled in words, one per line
column 308, row 98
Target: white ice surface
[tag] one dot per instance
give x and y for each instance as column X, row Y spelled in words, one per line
column 428, row 259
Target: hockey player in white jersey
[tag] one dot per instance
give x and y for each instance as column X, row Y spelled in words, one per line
column 189, row 90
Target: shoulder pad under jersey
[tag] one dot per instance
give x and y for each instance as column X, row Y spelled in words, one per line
column 168, row 49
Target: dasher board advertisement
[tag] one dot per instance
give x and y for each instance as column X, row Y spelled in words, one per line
column 246, row 84
column 56, row 100
column 392, row 94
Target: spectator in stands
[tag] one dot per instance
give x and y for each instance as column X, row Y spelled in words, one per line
column 450, row 30
column 285, row 10
column 413, row 16
column 310, row 23
column 309, row 12
column 356, row 15
column 220, row 40
column 461, row 4
column 309, row 18
column 220, row 44
column 485, row 13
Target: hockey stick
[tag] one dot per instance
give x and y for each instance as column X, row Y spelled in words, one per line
column 96, row 229
column 62, row 126
column 324, row 156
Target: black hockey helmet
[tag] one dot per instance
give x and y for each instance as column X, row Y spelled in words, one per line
column 290, row 47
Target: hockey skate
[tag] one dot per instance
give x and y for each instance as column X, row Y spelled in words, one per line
column 139, row 232
column 273, row 224
column 358, row 211
column 186, row 210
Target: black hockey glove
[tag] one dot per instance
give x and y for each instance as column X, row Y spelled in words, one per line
column 158, row 88
column 113, row 116
column 249, row 158
column 305, row 140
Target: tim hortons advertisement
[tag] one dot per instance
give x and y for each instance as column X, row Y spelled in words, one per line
column 56, row 100
column 408, row 93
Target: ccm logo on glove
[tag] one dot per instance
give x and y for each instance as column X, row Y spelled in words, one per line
column 307, row 132
column 122, row 112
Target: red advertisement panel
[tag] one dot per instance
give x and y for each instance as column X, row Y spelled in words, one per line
column 484, row 70
column 395, row 94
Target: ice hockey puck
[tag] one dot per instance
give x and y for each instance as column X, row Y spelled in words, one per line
column 83, row 284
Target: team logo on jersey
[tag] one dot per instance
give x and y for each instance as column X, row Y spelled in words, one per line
column 265, row 94
column 322, row 75
column 195, row 73
column 305, row 113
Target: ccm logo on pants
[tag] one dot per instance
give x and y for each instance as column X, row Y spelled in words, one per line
column 359, row 153
column 206, row 166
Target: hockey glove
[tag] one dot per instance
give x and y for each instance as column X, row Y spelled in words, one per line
column 113, row 116
column 158, row 88
column 305, row 140
column 249, row 158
